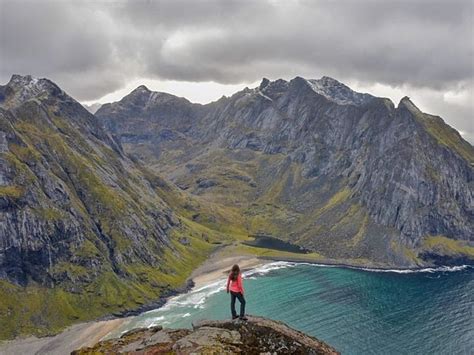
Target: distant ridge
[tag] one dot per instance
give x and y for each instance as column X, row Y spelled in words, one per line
column 346, row 174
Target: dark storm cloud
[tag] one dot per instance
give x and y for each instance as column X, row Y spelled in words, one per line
column 93, row 48
column 423, row 43
column 63, row 41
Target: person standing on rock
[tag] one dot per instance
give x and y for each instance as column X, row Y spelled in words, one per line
column 236, row 289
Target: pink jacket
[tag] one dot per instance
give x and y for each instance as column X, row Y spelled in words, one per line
column 235, row 286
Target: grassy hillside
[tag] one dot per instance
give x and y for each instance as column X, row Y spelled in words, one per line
column 86, row 231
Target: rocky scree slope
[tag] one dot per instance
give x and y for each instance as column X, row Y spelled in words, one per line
column 257, row 336
column 84, row 230
column 349, row 175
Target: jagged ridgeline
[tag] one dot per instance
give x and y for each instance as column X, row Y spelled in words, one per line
column 84, row 230
column 346, row 174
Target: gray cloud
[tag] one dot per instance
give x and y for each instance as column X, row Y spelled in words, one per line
column 94, row 48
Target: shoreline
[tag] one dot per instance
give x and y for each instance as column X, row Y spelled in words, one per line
column 86, row 334
column 216, row 268
column 213, row 269
column 327, row 263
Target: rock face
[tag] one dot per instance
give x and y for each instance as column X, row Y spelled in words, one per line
column 84, row 230
column 68, row 192
column 256, row 336
column 346, row 174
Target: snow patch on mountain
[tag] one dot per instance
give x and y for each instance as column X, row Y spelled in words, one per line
column 338, row 92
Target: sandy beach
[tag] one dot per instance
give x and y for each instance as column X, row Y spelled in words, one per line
column 218, row 265
column 74, row 337
column 87, row 334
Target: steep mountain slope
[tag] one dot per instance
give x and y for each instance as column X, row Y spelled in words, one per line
column 346, row 174
column 84, row 230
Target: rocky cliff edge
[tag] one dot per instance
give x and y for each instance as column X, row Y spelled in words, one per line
column 256, row 336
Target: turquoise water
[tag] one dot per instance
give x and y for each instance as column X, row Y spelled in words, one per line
column 356, row 311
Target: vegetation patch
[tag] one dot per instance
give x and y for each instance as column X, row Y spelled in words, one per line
column 359, row 236
column 338, row 198
column 42, row 311
column 11, row 191
column 447, row 246
column 446, row 135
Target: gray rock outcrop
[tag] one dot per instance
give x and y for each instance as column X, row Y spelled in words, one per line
column 256, row 336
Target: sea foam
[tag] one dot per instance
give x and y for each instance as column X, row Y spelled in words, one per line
column 265, row 269
column 398, row 271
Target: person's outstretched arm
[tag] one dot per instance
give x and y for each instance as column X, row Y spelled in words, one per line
column 228, row 282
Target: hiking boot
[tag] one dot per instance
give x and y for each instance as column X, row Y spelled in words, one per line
column 243, row 318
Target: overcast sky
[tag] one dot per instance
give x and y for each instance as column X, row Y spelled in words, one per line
column 100, row 51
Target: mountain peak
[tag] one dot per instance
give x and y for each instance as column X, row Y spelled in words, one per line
column 141, row 95
column 338, row 92
column 330, row 81
column 22, row 88
column 142, row 88
column 18, row 78
column 409, row 105
column 264, row 83
column 29, row 82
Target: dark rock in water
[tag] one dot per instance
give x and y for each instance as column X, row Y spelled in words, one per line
column 255, row 336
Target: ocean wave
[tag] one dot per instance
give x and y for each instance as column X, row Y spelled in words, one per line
column 148, row 323
column 428, row 269
column 397, row 271
column 196, row 298
column 265, row 269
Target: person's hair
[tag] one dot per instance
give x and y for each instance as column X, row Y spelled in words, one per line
column 235, row 272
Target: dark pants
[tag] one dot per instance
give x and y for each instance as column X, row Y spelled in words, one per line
column 233, row 296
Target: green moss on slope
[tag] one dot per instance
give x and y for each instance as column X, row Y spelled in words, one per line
column 43, row 311
column 447, row 246
column 115, row 221
column 11, row 191
column 447, row 136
